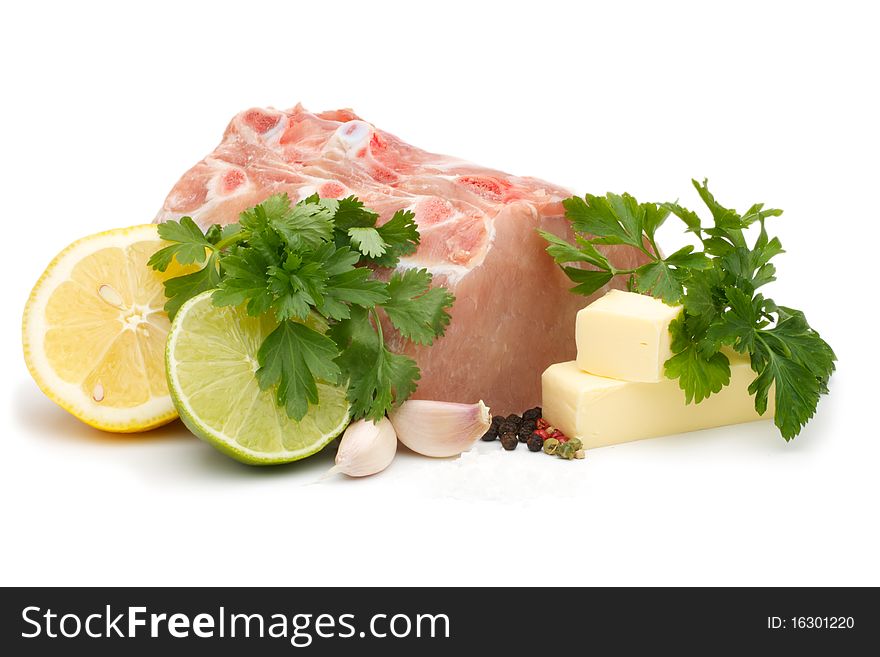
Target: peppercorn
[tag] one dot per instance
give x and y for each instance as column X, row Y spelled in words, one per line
column 525, row 430
column 550, row 446
column 494, row 427
column 565, row 451
column 507, row 426
column 575, row 443
column 532, row 413
column 544, row 435
column 516, row 419
column 509, row 441
column 535, row 442
column 542, row 423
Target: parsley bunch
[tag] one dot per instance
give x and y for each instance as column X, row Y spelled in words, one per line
column 718, row 287
column 313, row 267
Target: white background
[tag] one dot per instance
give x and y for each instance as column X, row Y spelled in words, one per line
column 105, row 106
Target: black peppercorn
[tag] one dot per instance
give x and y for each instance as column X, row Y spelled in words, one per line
column 532, row 414
column 526, row 429
column 509, row 441
column 494, row 427
column 507, row 426
column 513, row 417
column 535, row 442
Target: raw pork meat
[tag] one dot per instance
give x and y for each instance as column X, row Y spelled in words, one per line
column 513, row 314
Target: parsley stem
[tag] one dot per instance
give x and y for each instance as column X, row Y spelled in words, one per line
column 653, row 256
column 378, row 322
column 229, row 241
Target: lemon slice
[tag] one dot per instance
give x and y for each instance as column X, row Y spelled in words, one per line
column 211, row 359
column 94, row 331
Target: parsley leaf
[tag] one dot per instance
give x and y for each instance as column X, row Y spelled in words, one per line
column 738, row 323
column 588, row 281
column 351, row 213
column 214, row 234
column 352, row 287
column 244, row 280
column 659, row 280
column 415, row 309
column 697, row 375
column 304, row 226
column 189, row 244
column 619, row 219
column 181, row 289
column 379, row 378
column 701, row 370
column 368, row 241
column 292, row 357
column 799, row 362
column 297, row 284
column 613, row 218
column 401, row 237
column 337, row 260
column 690, row 218
column 563, row 252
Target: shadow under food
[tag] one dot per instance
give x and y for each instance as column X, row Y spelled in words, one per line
column 32, row 409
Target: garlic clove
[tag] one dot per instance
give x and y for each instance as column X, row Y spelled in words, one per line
column 366, row 448
column 439, row 429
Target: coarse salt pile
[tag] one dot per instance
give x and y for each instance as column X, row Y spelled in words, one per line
column 487, row 473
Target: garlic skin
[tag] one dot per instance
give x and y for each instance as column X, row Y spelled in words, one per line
column 366, row 448
column 439, row 429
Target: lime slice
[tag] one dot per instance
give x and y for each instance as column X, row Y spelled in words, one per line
column 211, row 357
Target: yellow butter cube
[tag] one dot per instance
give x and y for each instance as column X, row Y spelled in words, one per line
column 602, row 411
column 625, row 336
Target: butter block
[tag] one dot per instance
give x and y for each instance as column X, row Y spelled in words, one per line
column 602, row 411
column 625, row 336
